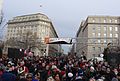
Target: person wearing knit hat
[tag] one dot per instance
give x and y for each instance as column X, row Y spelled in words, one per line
column 92, row 69
column 50, row 79
column 79, row 75
column 70, row 75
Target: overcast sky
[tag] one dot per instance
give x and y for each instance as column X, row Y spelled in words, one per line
column 65, row 15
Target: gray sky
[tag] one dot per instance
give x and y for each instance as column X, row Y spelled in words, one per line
column 66, row 15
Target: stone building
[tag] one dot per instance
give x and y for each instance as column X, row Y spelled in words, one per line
column 95, row 33
column 31, row 31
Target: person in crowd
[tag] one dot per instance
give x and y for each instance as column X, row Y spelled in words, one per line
column 70, row 77
column 37, row 77
column 57, row 77
column 10, row 67
column 108, row 75
column 22, row 69
column 7, row 76
column 48, row 68
column 118, row 76
column 29, row 77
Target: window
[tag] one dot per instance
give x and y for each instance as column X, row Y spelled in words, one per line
column 105, row 28
column 110, row 28
column 93, row 48
column 110, row 35
column 93, row 20
column 98, row 41
column 93, row 34
column 116, row 35
column 104, row 20
column 116, row 28
column 93, row 28
column 99, row 20
column 115, row 21
column 99, row 28
column 110, row 41
column 99, row 48
column 105, row 35
column 94, row 41
column 105, row 41
column 99, row 34
column 110, row 20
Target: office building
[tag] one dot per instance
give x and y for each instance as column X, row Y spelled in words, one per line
column 32, row 27
column 95, row 33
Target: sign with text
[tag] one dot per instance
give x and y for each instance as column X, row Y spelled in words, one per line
column 58, row 40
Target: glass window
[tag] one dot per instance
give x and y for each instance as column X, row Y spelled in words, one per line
column 99, row 20
column 110, row 35
column 99, row 34
column 98, row 41
column 110, row 41
column 99, row 48
column 110, row 28
column 93, row 28
column 105, row 35
column 105, row 28
column 116, row 35
column 99, row 28
column 93, row 34
column 93, row 48
column 93, row 20
column 94, row 41
column 104, row 20
column 115, row 21
column 110, row 20
column 116, row 28
column 105, row 41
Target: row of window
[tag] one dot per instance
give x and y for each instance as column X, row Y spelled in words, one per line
column 105, row 20
column 26, row 27
column 95, row 48
column 105, row 28
column 102, row 41
column 24, row 30
column 43, row 32
column 105, row 35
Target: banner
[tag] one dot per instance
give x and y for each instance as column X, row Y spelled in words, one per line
column 58, row 40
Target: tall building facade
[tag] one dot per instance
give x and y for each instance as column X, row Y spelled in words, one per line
column 95, row 33
column 38, row 26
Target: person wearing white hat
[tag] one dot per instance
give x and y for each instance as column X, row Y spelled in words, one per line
column 70, row 75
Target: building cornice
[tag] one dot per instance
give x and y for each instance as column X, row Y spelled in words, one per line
column 14, row 22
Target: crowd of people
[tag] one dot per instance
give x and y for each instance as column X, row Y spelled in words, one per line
column 62, row 68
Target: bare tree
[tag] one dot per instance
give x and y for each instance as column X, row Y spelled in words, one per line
column 28, row 40
column 1, row 18
column 12, row 42
column 1, row 44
